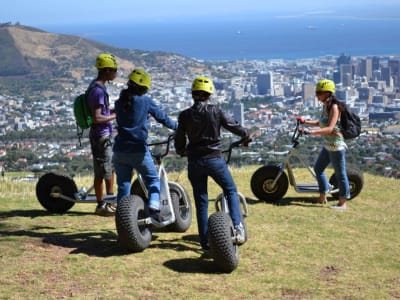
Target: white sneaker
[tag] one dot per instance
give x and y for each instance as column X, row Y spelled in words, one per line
column 339, row 207
column 240, row 234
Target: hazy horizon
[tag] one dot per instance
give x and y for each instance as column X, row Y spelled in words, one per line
column 49, row 12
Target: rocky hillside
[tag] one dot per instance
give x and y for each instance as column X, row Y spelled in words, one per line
column 34, row 61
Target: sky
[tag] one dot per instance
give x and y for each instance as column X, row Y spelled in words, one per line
column 62, row 12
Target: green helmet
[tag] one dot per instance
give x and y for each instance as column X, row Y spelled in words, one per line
column 204, row 84
column 140, row 77
column 106, row 60
column 325, row 85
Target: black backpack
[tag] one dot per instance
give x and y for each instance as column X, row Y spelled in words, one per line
column 350, row 124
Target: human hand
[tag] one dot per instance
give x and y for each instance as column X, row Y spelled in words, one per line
column 304, row 131
column 247, row 141
column 300, row 119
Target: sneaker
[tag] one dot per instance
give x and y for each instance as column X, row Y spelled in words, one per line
column 112, row 206
column 339, row 207
column 240, row 234
column 105, row 210
column 206, row 254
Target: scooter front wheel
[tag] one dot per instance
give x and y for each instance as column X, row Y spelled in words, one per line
column 263, row 187
column 131, row 235
column 221, row 235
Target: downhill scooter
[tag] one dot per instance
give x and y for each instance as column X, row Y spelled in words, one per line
column 270, row 182
column 58, row 193
column 133, row 223
column 222, row 237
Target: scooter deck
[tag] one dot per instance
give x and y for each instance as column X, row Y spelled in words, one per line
column 91, row 198
column 306, row 187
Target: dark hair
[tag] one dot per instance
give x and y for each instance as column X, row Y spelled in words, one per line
column 125, row 97
column 200, row 96
column 336, row 101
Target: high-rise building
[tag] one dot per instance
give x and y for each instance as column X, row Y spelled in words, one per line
column 364, row 94
column 394, row 65
column 375, row 63
column 265, row 84
column 343, row 59
column 309, row 98
column 336, row 76
column 366, row 68
column 238, row 113
column 386, row 75
column 346, row 74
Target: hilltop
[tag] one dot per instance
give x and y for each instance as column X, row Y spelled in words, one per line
column 33, row 60
column 296, row 250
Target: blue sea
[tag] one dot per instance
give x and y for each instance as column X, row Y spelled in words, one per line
column 263, row 39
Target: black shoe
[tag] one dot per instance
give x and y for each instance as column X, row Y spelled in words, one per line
column 206, row 254
column 155, row 214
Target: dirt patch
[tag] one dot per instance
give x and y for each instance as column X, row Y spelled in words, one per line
column 293, row 294
column 329, row 273
column 394, row 288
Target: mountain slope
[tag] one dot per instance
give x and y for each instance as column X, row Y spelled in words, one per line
column 32, row 60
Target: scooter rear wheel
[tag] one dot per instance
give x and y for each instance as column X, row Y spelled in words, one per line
column 55, row 183
column 221, row 235
column 356, row 183
column 182, row 208
column 131, row 235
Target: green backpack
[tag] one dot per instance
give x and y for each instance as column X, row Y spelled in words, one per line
column 82, row 113
column 83, row 116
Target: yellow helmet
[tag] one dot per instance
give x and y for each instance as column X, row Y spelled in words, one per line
column 325, row 85
column 140, row 77
column 204, row 84
column 106, row 60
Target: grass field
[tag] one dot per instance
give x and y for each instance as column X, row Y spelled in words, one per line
column 296, row 250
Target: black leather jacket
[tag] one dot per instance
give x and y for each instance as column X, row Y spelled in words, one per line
column 201, row 124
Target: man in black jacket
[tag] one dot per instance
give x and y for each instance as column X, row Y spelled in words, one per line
column 201, row 125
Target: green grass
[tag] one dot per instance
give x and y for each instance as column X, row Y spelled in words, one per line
column 296, row 250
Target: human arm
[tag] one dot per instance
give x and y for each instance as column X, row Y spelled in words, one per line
column 233, row 126
column 180, row 138
column 161, row 116
column 307, row 122
column 99, row 118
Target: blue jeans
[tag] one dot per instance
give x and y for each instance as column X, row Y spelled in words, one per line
column 125, row 163
column 338, row 161
column 217, row 169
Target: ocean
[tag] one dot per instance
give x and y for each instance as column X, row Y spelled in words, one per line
column 270, row 38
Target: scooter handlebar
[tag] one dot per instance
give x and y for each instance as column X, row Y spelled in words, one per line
column 245, row 141
column 165, row 142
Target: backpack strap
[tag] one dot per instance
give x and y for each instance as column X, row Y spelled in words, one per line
column 94, row 85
